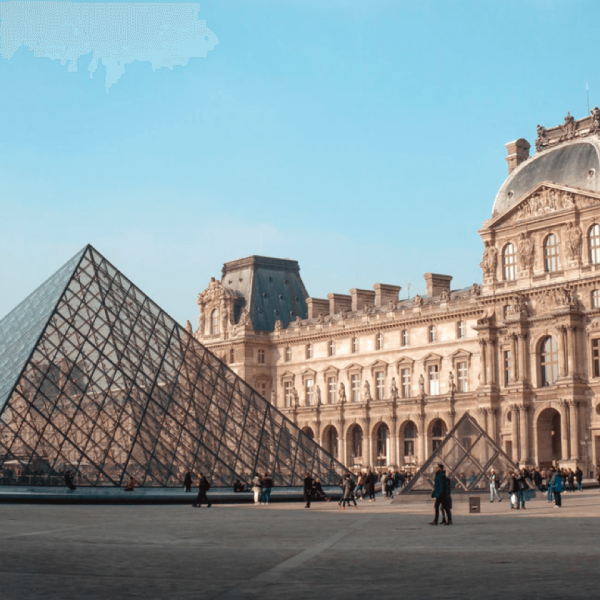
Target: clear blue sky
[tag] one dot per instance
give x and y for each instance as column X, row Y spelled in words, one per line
column 364, row 139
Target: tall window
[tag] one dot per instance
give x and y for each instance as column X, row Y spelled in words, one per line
column 461, row 330
column 288, row 354
column 404, row 337
column 331, row 390
column 309, row 390
column 379, row 341
column 596, row 357
column 433, row 372
column 506, row 311
column 432, row 333
column 354, row 345
column 405, row 375
column 309, row 351
column 383, row 437
column 288, row 394
column 462, row 377
column 509, row 263
column 380, row 385
column 548, row 361
column 507, row 361
column 357, row 439
column 594, row 244
column 214, row 322
column 262, row 389
column 595, row 298
column 354, row 388
column 437, row 433
column 410, row 434
column 331, row 348
column 551, row 254
column 261, row 356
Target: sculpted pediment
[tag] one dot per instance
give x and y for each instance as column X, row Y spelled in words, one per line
column 378, row 365
column 546, row 198
column 215, row 292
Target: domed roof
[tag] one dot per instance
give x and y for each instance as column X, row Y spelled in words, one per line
column 575, row 163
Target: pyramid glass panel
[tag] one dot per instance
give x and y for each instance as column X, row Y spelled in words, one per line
column 95, row 378
column 468, row 454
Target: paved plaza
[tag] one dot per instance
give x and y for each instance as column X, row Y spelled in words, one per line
column 285, row 551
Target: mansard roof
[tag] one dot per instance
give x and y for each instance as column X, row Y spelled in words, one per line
column 271, row 287
column 574, row 163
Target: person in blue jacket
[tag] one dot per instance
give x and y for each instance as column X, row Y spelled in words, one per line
column 439, row 492
column 556, row 483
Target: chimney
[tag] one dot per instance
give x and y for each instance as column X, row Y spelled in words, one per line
column 316, row 306
column 436, row 284
column 361, row 297
column 518, row 152
column 338, row 303
column 384, row 293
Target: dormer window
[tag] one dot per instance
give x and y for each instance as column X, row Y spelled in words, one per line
column 551, row 254
column 214, row 322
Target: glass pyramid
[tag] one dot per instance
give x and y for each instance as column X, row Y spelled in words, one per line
column 468, row 454
column 95, row 378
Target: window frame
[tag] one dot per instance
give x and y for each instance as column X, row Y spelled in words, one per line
column 432, row 334
column 404, row 338
column 548, row 366
column 551, row 252
column 593, row 238
column 509, row 262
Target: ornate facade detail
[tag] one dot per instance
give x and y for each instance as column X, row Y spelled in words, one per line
column 525, row 252
column 547, row 200
column 489, row 260
column 557, row 297
column 574, row 239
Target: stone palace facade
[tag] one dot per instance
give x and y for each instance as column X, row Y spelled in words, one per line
column 379, row 381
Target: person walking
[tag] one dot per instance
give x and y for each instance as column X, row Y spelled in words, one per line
column 523, row 486
column 494, row 486
column 579, row 479
column 69, row 481
column 537, row 479
column 556, row 483
column 446, row 507
column 257, row 489
column 203, row 487
column 308, row 486
column 571, row 480
column 360, row 487
column 549, row 475
column 370, row 484
column 513, row 488
column 267, row 486
column 348, row 492
column 187, row 482
column 439, row 492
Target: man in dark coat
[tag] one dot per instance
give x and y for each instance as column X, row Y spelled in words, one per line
column 203, row 487
column 187, row 482
column 370, row 484
column 308, row 487
column 439, row 492
column 69, row 481
column 579, row 479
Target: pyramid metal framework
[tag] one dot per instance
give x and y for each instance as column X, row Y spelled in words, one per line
column 468, row 454
column 95, row 378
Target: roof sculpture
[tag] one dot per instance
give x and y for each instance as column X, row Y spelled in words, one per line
column 95, row 378
column 468, row 454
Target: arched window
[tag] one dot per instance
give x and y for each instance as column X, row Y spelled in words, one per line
column 548, row 361
column 214, row 322
column 331, row 441
column 509, row 263
column 551, row 254
column 383, row 437
column 594, row 244
column 357, row 440
column 595, row 298
column 309, row 432
column 438, row 432
column 410, row 435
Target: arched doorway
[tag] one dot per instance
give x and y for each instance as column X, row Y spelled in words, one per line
column 355, row 445
column 309, row 432
column 330, row 441
column 408, row 443
column 549, row 437
column 438, row 433
column 382, row 448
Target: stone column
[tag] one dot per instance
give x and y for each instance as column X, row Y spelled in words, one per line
column 514, row 372
column 369, row 439
column 514, row 422
column 393, row 458
column 483, row 412
column 562, row 351
column 421, row 438
column 492, row 423
column 572, row 350
column 483, row 365
column 574, row 422
column 523, row 375
column 524, row 422
column 564, row 429
column 492, row 345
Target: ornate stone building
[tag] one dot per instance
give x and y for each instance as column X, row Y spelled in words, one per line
column 379, row 381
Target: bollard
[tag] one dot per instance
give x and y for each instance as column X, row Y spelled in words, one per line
column 475, row 504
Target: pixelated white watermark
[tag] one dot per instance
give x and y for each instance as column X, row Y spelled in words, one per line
column 117, row 34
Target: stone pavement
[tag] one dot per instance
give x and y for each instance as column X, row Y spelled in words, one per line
column 285, row 551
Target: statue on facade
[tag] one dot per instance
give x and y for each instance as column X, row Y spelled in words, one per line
column 451, row 383
column 421, row 386
column 342, row 393
column 319, row 396
column 278, row 325
column 569, row 127
column 418, row 301
column 541, row 140
column 298, row 321
column 188, row 326
column 367, row 391
column 273, row 398
column 476, row 289
column 445, row 296
column 489, row 260
column 519, row 305
column 574, row 241
column 393, row 389
column 321, row 317
column 525, row 251
column 245, row 318
column 595, row 119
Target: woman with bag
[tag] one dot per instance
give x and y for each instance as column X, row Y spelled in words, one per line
column 257, row 489
column 513, row 488
column 348, row 491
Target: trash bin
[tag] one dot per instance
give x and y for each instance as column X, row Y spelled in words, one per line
column 475, row 504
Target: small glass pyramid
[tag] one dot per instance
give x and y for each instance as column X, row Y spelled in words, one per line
column 95, row 378
column 468, row 454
